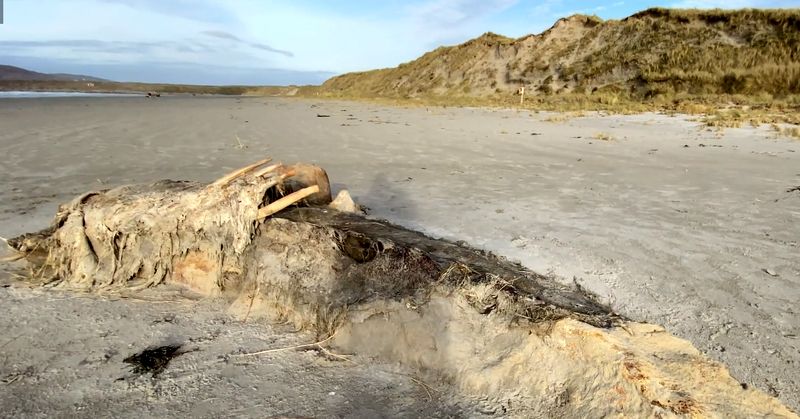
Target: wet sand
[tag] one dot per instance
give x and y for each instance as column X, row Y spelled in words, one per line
column 669, row 222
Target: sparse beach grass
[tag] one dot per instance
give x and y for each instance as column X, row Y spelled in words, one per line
column 603, row 136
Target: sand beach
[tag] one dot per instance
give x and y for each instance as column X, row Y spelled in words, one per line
column 666, row 220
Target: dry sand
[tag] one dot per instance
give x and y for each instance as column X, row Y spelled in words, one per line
column 62, row 357
column 669, row 222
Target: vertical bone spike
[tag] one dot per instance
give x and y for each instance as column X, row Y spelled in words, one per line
column 268, row 169
column 286, row 201
column 230, row 177
column 287, row 174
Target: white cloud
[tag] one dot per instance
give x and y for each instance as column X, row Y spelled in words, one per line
column 244, row 33
column 199, row 10
column 456, row 12
column 547, row 8
column 301, row 35
column 235, row 39
column 452, row 20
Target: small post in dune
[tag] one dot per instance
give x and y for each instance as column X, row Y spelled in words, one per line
column 521, row 93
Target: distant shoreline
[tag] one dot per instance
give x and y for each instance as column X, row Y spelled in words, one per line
column 133, row 88
column 38, row 94
column 60, row 94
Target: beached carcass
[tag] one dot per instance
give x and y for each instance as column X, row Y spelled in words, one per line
column 267, row 239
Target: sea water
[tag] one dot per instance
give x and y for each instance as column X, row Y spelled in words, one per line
column 24, row 94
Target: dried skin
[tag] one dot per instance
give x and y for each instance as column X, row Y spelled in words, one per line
column 491, row 327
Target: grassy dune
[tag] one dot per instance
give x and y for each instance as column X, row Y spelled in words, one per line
column 731, row 66
column 734, row 66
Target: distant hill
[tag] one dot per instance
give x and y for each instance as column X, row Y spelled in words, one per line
column 657, row 53
column 11, row 73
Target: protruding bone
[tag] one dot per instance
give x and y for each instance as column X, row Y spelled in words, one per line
column 287, row 174
column 230, row 177
column 287, row 200
column 268, row 169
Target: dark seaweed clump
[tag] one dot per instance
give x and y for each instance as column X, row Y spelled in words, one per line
column 153, row 360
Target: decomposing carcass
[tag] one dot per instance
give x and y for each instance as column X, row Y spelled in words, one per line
column 270, row 240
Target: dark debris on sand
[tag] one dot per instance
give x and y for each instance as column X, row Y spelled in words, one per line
column 153, row 360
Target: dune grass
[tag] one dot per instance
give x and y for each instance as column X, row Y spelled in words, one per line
column 731, row 66
column 603, row 136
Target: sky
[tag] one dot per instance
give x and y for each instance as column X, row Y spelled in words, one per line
column 260, row 42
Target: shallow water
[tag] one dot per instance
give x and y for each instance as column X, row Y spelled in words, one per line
column 25, row 94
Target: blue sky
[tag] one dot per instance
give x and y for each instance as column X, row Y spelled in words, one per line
column 272, row 42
